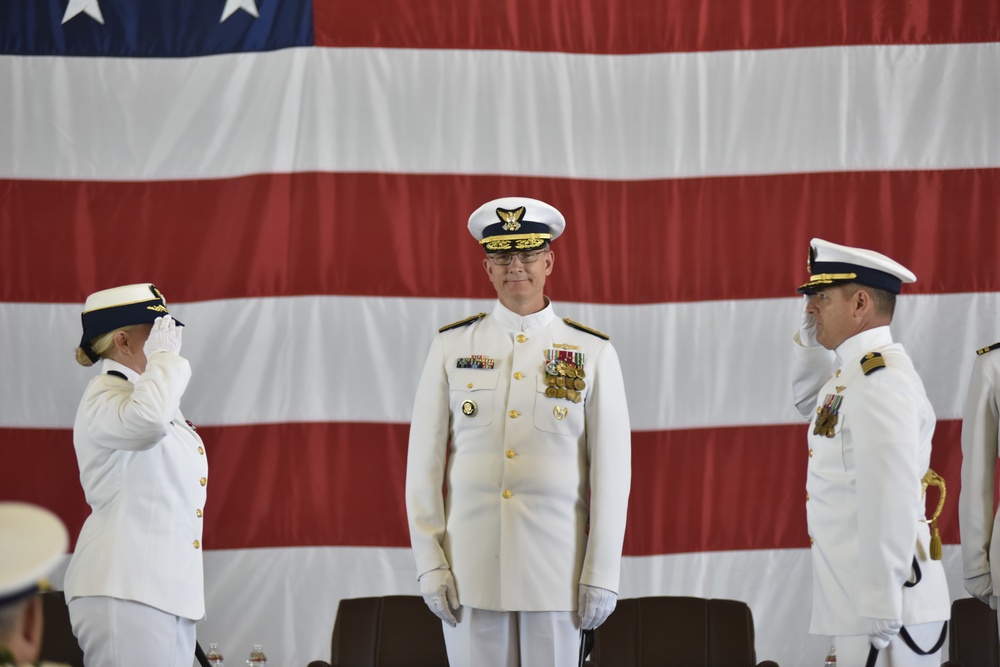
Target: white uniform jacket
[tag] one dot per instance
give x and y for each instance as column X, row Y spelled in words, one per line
column 980, row 527
column 864, row 504
column 537, row 486
column 143, row 470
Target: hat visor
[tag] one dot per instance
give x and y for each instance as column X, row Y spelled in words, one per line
column 814, row 286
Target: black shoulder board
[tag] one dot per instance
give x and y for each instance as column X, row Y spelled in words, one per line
column 871, row 362
column 117, row 374
column 595, row 332
column 987, row 349
column 462, row 323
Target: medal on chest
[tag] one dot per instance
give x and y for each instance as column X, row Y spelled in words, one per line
column 827, row 415
column 564, row 375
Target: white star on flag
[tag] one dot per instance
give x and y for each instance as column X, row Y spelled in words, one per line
column 249, row 6
column 88, row 7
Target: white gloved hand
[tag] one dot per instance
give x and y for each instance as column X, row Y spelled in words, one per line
column 981, row 587
column 807, row 327
column 595, row 605
column 440, row 594
column 881, row 631
column 164, row 337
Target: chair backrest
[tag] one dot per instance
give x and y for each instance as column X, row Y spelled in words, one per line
column 58, row 642
column 390, row 631
column 972, row 634
column 676, row 631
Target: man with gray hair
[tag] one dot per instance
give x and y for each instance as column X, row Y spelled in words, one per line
column 878, row 585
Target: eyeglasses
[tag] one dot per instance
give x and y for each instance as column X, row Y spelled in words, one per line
column 526, row 257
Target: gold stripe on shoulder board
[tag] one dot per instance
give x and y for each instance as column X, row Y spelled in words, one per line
column 987, row 349
column 461, row 323
column 594, row 332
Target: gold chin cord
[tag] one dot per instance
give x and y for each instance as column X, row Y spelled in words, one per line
column 931, row 478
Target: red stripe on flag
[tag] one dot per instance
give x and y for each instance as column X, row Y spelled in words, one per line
column 621, row 26
column 405, row 235
column 316, row 484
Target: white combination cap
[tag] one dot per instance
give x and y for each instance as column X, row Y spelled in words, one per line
column 833, row 264
column 33, row 541
column 515, row 223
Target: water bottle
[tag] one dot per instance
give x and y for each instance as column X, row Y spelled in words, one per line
column 214, row 656
column 257, row 657
column 831, row 657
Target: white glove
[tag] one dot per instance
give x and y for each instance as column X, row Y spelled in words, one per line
column 440, row 594
column 595, row 605
column 164, row 337
column 981, row 587
column 807, row 327
column 881, row 631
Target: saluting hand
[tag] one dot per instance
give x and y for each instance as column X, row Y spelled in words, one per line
column 807, row 327
column 164, row 337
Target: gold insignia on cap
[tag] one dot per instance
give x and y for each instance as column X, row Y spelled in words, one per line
column 160, row 308
column 511, row 219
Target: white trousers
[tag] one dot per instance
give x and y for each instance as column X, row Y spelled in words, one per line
column 852, row 651
column 485, row 638
column 123, row 633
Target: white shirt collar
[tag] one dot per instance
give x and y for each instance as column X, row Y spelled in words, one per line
column 860, row 344
column 524, row 322
column 112, row 365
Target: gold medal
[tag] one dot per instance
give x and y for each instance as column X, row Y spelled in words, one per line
column 579, row 384
column 552, row 392
column 562, row 393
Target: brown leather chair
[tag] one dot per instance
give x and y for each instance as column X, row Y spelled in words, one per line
column 676, row 632
column 390, row 631
column 58, row 642
column 972, row 635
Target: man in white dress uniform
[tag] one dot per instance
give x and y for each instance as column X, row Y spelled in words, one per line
column 521, row 417
column 876, row 588
column 979, row 524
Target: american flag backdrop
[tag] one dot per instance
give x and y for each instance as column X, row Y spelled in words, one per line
column 296, row 178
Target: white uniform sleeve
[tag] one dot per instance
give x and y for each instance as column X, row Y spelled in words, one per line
column 122, row 415
column 886, row 451
column 609, row 451
column 979, row 455
column 811, row 368
column 425, row 463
